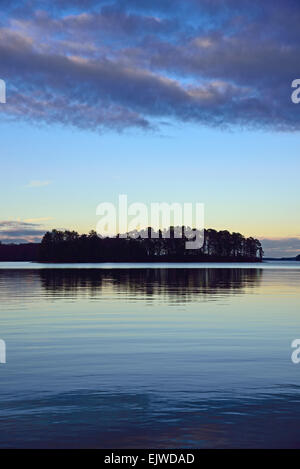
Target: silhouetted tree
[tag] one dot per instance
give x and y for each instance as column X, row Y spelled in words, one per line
column 69, row 246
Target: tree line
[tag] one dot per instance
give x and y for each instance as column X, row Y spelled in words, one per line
column 70, row 246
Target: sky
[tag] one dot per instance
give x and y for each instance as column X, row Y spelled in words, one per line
column 165, row 101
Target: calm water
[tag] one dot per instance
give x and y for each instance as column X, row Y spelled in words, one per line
column 123, row 357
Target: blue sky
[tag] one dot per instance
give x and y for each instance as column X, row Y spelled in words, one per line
column 175, row 102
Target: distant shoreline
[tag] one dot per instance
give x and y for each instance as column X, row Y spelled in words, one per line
column 29, row 253
column 160, row 261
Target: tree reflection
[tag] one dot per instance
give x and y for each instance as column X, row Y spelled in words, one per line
column 184, row 284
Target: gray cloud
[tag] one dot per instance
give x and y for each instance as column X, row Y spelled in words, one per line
column 12, row 231
column 284, row 247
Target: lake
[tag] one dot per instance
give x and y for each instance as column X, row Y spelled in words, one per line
column 150, row 356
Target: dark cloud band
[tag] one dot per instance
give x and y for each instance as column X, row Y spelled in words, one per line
column 115, row 65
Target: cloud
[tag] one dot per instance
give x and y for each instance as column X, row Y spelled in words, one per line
column 38, row 183
column 117, row 65
column 12, row 231
column 281, row 247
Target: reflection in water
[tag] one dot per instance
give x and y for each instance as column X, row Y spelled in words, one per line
column 183, row 284
column 124, row 358
column 167, row 285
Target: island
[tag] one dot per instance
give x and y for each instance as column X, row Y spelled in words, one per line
column 218, row 246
